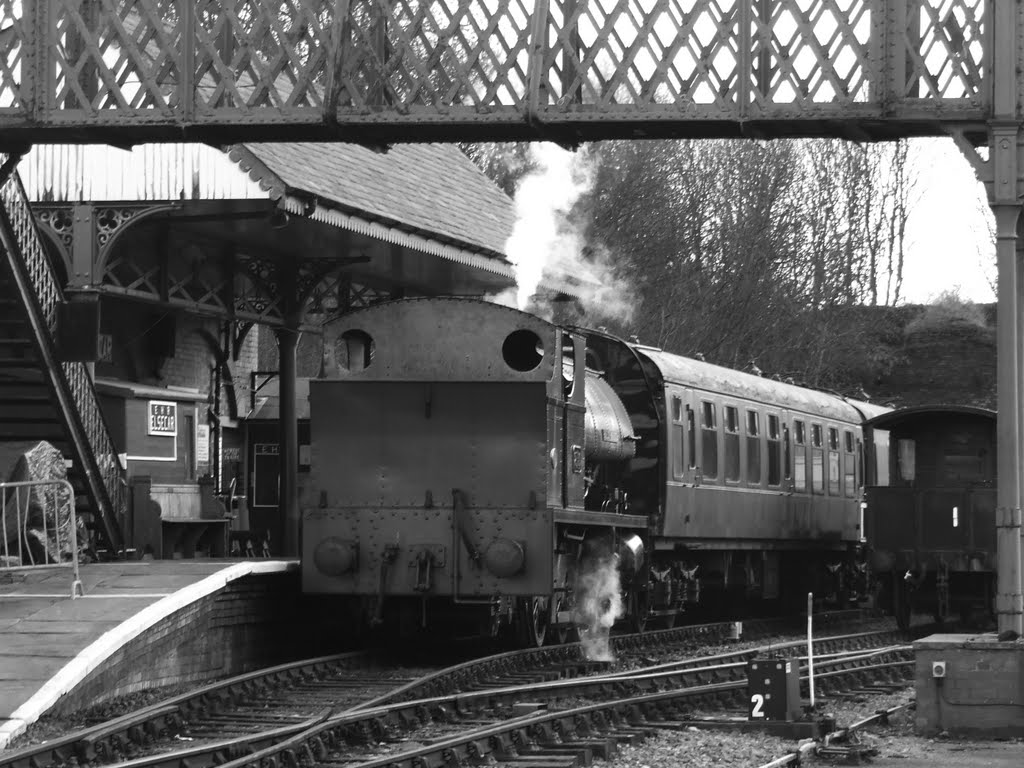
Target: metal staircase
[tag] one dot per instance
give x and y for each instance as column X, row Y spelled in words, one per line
column 42, row 398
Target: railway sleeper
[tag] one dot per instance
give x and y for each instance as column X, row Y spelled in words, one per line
column 584, row 756
column 543, row 761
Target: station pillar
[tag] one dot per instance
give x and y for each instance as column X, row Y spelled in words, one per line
column 287, row 343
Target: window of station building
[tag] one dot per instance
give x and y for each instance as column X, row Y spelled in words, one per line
column 849, row 465
column 709, row 441
column 774, row 451
column 691, row 439
column 753, row 448
column 799, row 456
column 732, row 443
column 817, row 461
column 679, row 439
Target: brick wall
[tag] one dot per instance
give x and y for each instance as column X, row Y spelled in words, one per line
column 253, row 622
column 308, row 354
column 982, row 693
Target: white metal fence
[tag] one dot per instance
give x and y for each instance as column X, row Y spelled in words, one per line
column 39, row 527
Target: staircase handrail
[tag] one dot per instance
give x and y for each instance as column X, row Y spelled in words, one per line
column 70, row 381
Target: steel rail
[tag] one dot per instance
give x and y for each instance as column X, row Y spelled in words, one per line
column 382, row 722
column 639, row 713
column 142, row 724
column 798, row 755
column 505, row 663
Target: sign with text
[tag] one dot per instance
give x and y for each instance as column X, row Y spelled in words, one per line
column 163, row 418
column 202, row 444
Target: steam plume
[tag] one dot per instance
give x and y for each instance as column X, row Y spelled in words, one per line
column 598, row 605
column 547, row 242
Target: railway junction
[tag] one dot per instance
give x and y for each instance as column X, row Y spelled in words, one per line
column 196, row 249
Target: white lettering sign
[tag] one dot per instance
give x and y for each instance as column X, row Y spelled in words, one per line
column 163, row 418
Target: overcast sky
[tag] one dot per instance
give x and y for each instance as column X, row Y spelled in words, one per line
column 949, row 242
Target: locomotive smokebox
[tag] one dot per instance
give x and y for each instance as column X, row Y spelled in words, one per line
column 609, row 432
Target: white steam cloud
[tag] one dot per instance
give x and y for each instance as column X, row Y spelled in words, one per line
column 547, row 245
column 598, row 606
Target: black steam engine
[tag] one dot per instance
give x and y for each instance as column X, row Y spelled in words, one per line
column 474, row 463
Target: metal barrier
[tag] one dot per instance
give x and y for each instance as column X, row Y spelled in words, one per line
column 56, row 502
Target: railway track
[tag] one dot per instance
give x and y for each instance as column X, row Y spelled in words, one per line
column 534, row 725
column 256, row 711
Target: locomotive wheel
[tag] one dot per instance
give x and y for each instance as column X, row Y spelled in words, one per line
column 638, row 607
column 563, row 635
column 534, row 619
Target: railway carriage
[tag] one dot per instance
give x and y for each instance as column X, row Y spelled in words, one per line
column 930, row 510
column 474, row 463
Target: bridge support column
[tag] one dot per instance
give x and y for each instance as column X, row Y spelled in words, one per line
column 1009, row 602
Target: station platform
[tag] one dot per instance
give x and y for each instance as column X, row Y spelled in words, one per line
column 135, row 627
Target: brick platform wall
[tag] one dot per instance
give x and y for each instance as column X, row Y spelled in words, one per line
column 253, row 622
column 982, row 693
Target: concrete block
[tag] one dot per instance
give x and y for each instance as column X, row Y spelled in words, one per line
column 982, row 692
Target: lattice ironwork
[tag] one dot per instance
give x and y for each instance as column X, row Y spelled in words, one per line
column 89, row 435
column 237, row 287
column 252, row 68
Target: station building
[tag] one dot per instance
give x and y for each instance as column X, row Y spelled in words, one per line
column 174, row 265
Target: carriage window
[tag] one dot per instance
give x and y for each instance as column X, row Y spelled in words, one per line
column 732, row 443
column 905, row 459
column 709, row 441
column 679, row 441
column 962, row 466
column 849, row 466
column 859, row 456
column 787, row 460
column 880, row 450
column 691, row 439
column 817, row 460
column 833, row 439
column 833, row 473
column 800, row 457
column 774, row 451
column 707, row 415
column 753, row 448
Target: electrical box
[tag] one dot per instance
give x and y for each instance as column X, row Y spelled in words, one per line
column 938, row 669
column 773, row 689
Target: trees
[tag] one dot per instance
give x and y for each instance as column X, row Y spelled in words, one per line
column 745, row 251
column 755, row 251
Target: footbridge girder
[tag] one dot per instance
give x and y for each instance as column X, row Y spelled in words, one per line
column 412, row 70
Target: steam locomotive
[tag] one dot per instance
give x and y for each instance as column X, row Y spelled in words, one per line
column 477, row 465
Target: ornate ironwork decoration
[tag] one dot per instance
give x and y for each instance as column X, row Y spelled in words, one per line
column 489, row 68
